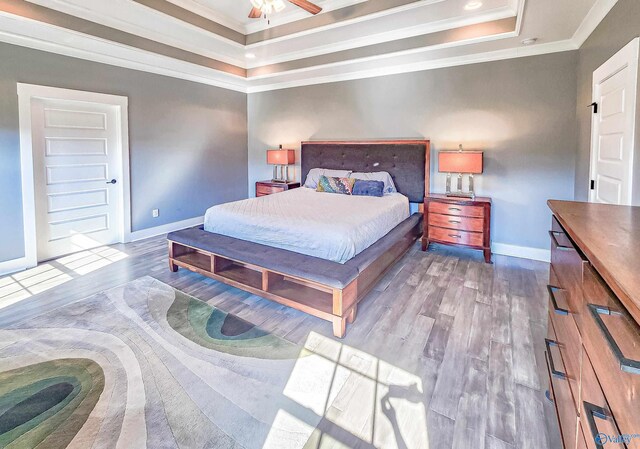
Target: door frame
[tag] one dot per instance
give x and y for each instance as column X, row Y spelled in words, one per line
column 28, row 92
column 631, row 53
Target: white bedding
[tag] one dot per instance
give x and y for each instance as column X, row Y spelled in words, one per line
column 326, row 225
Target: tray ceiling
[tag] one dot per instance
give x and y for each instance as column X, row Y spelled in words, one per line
column 213, row 41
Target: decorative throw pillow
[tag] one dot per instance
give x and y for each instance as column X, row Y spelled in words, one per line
column 335, row 185
column 314, row 176
column 368, row 188
column 389, row 186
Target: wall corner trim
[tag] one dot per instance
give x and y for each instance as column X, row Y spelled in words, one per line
column 166, row 228
column 523, row 252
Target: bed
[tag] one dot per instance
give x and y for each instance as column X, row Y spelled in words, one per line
column 325, row 225
column 317, row 252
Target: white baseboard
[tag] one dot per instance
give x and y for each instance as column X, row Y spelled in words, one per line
column 11, row 266
column 522, row 252
column 166, row 228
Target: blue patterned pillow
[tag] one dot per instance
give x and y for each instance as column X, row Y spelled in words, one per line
column 368, row 188
column 343, row 186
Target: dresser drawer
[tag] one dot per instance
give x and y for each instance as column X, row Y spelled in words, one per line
column 560, row 391
column 569, row 342
column 267, row 190
column 568, row 264
column 455, row 209
column 612, row 340
column 596, row 418
column 455, row 222
column 455, row 236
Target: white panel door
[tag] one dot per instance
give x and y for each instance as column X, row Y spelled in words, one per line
column 77, row 167
column 613, row 127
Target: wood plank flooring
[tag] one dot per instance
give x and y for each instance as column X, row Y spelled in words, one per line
column 473, row 333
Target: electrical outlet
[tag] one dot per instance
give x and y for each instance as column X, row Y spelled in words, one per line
column 155, row 213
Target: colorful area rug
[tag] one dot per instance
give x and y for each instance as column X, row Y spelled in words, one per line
column 144, row 365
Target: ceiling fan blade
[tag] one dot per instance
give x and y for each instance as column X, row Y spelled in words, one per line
column 307, row 6
column 255, row 13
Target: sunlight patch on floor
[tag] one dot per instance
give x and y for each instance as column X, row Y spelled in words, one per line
column 91, row 260
column 23, row 285
column 370, row 401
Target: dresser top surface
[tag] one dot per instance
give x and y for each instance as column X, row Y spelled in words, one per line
column 609, row 236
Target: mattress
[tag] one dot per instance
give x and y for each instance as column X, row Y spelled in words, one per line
column 325, row 225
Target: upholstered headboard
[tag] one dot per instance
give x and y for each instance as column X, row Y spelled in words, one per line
column 407, row 161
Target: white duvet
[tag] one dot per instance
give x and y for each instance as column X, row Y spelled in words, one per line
column 326, row 225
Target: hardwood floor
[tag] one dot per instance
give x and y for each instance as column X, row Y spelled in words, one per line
column 473, row 332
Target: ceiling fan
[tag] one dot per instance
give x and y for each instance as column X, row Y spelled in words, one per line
column 264, row 7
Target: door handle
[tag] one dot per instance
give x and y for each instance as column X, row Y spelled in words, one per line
column 113, row 181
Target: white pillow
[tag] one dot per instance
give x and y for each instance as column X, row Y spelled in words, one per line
column 389, row 186
column 314, row 176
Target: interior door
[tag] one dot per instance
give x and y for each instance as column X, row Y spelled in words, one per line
column 77, row 167
column 613, row 127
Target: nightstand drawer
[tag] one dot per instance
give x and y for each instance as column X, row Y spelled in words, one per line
column 455, row 236
column 455, row 209
column 455, row 222
column 268, row 190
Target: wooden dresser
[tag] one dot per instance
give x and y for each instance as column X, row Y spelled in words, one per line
column 593, row 342
column 268, row 187
column 458, row 221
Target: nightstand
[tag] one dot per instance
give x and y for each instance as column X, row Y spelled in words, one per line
column 458, row 221
column 268, row 187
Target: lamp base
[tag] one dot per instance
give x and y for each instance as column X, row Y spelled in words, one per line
column 283, row 177
column 460, row 194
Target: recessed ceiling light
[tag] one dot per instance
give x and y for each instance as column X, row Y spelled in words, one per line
column 250, row 56
column 473, row 4
column 530, row 41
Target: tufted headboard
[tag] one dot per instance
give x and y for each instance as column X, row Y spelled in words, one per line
column 407, row 161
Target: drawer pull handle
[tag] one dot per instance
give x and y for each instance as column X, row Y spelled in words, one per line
column 555, row 241
column 593, row 412
column 457, row 209
column 554, row 302
column 627, row 365
column 455, row 221
column 554, row 372
column 455, row 236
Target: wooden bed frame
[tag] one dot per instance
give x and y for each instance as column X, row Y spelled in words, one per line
column 332, row 304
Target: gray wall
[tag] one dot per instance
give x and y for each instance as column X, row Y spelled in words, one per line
column 618, row 28
column 520, row 111
column 188, row 141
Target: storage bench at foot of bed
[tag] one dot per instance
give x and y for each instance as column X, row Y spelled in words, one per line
column 326, row 289
column 337, row 305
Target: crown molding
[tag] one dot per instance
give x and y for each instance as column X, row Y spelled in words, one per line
column 498, row 55
column 53, row 39
column 596, row 14
column 418, row 52
column 403, row 33
column 342, row 23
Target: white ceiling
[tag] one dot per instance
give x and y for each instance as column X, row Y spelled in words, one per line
column 235, row 13
column 339, row 50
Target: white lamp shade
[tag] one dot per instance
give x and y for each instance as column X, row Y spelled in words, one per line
column 278, row 5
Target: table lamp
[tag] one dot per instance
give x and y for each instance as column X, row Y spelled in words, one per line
column 281, row 158
column 461, row 162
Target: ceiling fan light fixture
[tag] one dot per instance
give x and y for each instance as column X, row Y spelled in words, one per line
column 257, row 3
column 278, row 5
